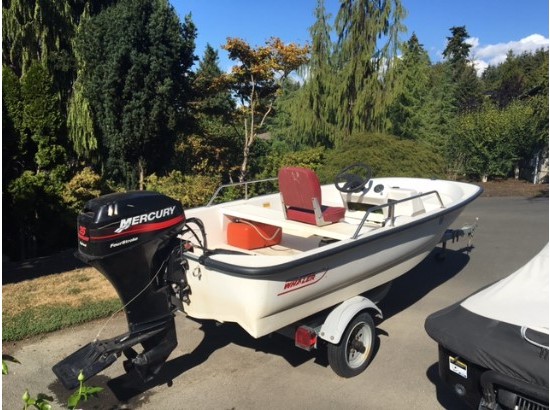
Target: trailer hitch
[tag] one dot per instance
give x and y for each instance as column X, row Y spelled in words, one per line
column 454, row 235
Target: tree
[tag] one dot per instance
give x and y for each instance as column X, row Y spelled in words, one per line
column 364, row 76
column 467, row 93
column 34, row 196
column 136, row 62
column 310, row 114
column 493, row 140
column 256, row 80
column 407, row 112
column 212, row 146
column 457, row 51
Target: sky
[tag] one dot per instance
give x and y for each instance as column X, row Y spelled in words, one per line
column 495, row 26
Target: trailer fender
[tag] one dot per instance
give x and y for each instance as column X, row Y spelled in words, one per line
column 338, row 319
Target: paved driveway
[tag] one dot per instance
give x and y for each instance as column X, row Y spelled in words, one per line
column 221, row 367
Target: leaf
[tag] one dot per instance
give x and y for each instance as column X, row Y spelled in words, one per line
column 4, row 367
column 91, row 390
column 74, row 399
column 42, row 405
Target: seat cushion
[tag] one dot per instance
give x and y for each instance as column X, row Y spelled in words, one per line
column 330, row 214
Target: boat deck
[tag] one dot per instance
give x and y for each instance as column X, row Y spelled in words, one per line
column 338, row 231
column 297, row 237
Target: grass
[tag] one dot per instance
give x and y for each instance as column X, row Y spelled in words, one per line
column 55, row 302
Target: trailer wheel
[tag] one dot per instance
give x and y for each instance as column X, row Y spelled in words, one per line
column 353, row 354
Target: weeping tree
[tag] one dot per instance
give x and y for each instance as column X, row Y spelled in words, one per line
column 366, row 49
column 312, row 121
column 349, row 84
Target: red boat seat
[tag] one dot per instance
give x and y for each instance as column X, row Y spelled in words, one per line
column 301, row 196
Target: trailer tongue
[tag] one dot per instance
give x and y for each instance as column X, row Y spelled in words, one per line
column 131, row 238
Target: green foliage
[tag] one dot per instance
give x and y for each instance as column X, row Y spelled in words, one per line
column 36, row 30
column 490, row 142
column 350, row 83
column 191, row 191
column 14, row 142
column 386, row 155
column 457, row 50
column 42, row 402
column 11, row 96
column 309, row 114
column 309, row 158
column 80, row 124
column 7, row 358
column 83, row 393
column 136, row 61
column 34, row 192
column 213, row 147
column 41, row 115
column 82, row 187
column 256, row 81
column 47, row 318
column 363, row 83
column 407, row 112
column 467, row 86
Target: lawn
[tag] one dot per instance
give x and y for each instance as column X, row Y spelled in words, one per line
column 54, row 302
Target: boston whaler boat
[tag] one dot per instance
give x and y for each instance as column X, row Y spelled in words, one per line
column 309, row 261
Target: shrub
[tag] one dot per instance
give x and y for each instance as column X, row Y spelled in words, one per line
column 191, row 191
column 385, row 154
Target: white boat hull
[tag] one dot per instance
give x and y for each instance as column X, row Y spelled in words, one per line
column 264, row 303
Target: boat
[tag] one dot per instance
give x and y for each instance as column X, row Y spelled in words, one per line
column 493, row 345
column 309, row 257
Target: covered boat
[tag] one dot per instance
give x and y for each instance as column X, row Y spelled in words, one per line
column 299, row 259
column 493, row 346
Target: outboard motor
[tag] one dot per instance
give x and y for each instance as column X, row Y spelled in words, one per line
column 132, row 239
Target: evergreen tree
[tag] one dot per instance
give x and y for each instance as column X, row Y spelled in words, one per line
column 34, row 196
column 439, row 111
column 468, row 91
column 211, row 99
column 412, row 71
column 213, row 147
column 363, row 84
column 310, row 112
column 136, row 76
column 457, row 51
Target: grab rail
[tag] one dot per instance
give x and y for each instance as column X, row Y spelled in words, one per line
column 245, row 183
column 391, row 211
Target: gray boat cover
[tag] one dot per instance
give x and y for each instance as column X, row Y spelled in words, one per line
column 503, row 327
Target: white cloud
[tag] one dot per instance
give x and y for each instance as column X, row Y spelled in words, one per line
column 494, row 54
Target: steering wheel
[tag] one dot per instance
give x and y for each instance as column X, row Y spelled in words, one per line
column 353, row 178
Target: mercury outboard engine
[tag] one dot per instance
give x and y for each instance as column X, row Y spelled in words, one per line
column 132, row 239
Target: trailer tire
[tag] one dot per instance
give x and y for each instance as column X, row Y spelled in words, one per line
column 353, row 354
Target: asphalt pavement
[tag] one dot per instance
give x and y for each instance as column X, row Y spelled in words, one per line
column 222, row 367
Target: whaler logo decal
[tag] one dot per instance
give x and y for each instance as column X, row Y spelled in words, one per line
column 148, row 217
column 302, row 282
